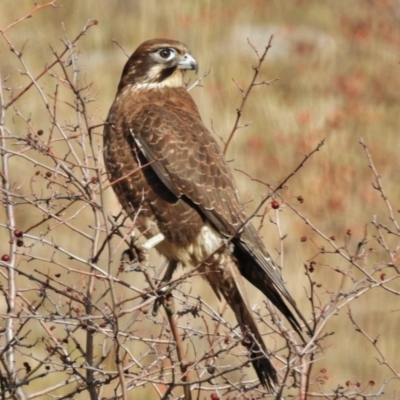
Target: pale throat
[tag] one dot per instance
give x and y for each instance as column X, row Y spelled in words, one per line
column 175, row 80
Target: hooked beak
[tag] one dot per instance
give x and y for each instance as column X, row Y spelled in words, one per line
column 187, row 61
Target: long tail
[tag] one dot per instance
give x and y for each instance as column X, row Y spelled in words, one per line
column 225, row 279
column 253, row 341
column 257, row 266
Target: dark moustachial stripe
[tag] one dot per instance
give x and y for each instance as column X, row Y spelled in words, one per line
column 165, row 73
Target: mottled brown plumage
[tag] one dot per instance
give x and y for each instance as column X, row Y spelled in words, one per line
column 169, row 174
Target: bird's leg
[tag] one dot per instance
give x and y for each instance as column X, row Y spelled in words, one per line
column 135, row 258
column 164, row 294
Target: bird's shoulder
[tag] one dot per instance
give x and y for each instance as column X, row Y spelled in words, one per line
column 167, row 127
column 132, row 104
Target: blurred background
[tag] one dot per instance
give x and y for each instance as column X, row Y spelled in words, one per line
column 337, row 65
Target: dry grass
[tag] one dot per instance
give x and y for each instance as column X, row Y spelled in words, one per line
column 338, row 70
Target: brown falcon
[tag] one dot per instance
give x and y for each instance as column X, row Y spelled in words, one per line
column 169, row 174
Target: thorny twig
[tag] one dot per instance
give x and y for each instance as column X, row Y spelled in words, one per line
column 71, row 300
column 246, row 93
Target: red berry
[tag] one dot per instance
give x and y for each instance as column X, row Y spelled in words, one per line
column 5, row 257
column 20, row 243
column 18, row 233
column 214, row 396
column 275, row 204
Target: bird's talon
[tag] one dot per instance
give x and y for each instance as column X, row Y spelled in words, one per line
column 134, row 259
column 169, row 304
column 162, row 295
column 156, row 306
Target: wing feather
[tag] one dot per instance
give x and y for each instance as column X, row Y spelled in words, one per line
column 190, row 163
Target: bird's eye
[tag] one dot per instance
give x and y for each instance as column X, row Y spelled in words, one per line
column 165, row 53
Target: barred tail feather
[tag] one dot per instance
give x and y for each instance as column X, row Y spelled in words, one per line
column 252, row 338
column 225, row 279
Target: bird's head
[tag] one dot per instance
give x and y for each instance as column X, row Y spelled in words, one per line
column 157, row 63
